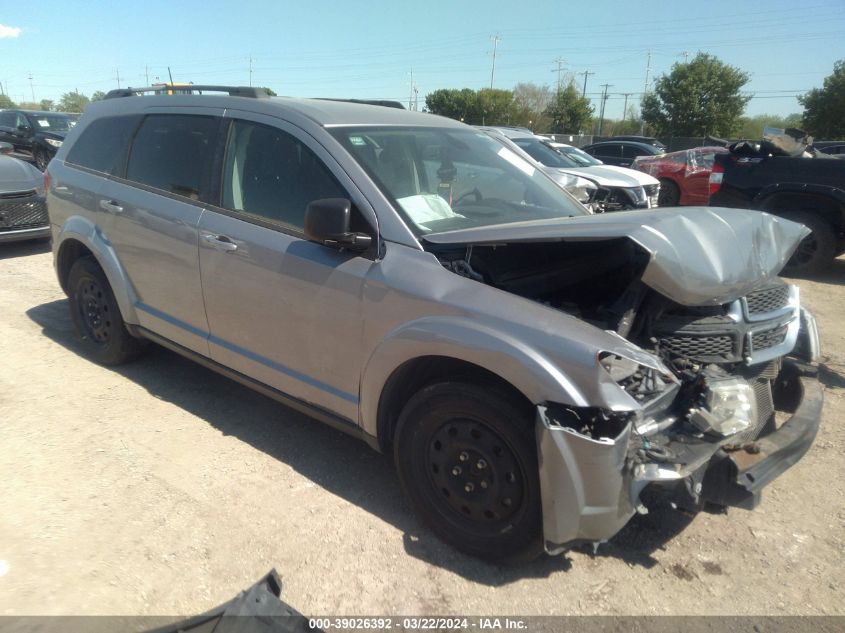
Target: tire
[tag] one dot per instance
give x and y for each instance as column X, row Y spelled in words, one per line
column 670, row 194
column 96, row 316
column 467, row 460
column 41, row 159
column 816, row 251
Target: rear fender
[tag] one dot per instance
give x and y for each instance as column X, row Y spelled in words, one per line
column 89, row 234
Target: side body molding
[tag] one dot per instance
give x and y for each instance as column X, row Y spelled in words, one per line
column 463, row 338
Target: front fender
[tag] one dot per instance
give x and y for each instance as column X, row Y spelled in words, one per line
column 526, row 368
column 89, row 234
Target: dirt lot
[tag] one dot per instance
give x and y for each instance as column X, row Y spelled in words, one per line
column 162, row 488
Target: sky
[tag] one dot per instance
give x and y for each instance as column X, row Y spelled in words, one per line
column 380, row 49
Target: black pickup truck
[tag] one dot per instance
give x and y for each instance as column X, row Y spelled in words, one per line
column 781, row 176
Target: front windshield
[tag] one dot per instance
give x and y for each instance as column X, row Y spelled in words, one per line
column 446, row 179
column 582, row 158
column 544, row 154
column 52, row 122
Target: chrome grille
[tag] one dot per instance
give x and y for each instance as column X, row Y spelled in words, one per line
column 22, row 214
column 767, row 299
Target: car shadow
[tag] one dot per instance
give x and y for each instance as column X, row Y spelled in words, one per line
column 24, row 249
column 335, row 461
column 833, row 274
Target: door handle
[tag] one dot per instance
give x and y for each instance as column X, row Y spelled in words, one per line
column 110, row 205
column 220, row 242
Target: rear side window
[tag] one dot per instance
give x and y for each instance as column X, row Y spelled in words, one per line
column 611, row 151
column 632, row 151
column 102, row 145
column 173, row 152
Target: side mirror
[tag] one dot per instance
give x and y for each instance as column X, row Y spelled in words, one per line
column 6, row 148
column 327, row 222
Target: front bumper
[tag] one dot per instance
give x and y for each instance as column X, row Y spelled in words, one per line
column 590, row 488
column 19, row 235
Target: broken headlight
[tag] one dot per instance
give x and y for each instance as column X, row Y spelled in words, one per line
column 728, row 407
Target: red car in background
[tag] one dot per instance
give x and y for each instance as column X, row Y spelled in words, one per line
column 684, row 175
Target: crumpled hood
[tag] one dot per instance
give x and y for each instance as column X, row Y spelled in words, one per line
column 611, row 176
column 698, row 255
column 16, row 175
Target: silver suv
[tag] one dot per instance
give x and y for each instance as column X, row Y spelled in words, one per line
column 413, row 282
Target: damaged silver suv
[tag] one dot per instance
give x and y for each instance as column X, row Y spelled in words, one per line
column 406, row 278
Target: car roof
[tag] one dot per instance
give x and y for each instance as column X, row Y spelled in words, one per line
column 324, row 112
column 40, row 112
column 509, row 132
column 632, row 143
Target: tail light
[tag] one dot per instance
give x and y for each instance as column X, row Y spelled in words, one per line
column 716, row 178
column 46, row 181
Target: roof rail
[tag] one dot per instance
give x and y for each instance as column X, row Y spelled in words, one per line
column 379, row 102
column 232, row 91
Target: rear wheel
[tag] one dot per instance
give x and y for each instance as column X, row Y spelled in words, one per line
column 96, row 315
column 670, row 195
column 816, row 251
column 467, row 459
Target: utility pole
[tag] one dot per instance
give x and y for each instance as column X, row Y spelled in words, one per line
column 250, row 69
column 586, row 74
column 495, row 39
column 117, row 70
column 603, row 101
column 686, row 56
column 147, row 75
column 560, row 62
column 645, row 89
column 413, row 90
column 31, row 88
column 625, row 107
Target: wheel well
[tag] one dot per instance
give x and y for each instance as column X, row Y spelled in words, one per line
column 827, row 208
column 69, row 252
column 415, row 374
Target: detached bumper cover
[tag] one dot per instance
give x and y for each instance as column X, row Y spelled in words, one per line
column 589, row 490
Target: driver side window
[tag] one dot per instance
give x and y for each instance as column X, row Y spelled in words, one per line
column 270, row 174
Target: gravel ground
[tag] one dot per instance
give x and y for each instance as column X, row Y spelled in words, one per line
column 163, row 488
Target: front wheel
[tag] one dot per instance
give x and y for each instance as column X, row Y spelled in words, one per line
column 467, row 459
column 96, row 315
column 41, row 159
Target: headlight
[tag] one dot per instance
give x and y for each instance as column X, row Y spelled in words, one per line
column 729, row 406
column 53, row 142
column 582, row 189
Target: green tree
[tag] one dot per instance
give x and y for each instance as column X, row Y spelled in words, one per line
column 569, row 112
column 99, row 95
column 47, row 105
column 492, row 107
column 6, row 102
column 752, row 127
column 73, row 102
column 29, row 105
column 697, row 98
column 455, row 104
column 824, row 108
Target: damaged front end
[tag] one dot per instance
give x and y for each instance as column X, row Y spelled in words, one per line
column 716, row 434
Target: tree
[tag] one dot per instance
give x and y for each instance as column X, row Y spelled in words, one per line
column 569, row 111
column 824, row 108
column 47, row 105
column 73, row 102
column 99, row 95
column 697, row 98
column 752, row 127
column 6, row 102
column 455, row 104
column 29, row 105
column 492, row 107
column 530, row 102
